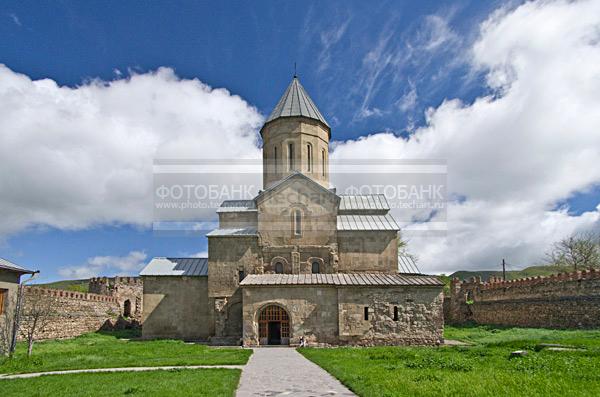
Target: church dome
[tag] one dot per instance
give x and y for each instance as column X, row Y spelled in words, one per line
column 296, row 102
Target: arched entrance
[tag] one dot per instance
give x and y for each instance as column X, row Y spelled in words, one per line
column 274, row 326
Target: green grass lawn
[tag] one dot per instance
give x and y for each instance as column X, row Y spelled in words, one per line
column 483, row 369
column 521, row 337
column 97, row 350
column 203, row 382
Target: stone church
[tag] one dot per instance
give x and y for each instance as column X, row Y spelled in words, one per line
column 298, row 260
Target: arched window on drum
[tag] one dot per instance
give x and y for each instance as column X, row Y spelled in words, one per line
column 316, row 267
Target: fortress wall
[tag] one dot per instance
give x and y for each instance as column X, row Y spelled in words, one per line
column 123, row 289
column 567, row 300
column 73, row 313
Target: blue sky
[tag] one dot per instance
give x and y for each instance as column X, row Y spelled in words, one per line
column 250, row 48
column 370, row 67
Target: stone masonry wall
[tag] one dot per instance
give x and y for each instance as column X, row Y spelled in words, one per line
column 368, row 251
column 329, row 315
column 123, row 289
column 75, row 313
column 567, row 300
column 176, row 307
column 419, row 320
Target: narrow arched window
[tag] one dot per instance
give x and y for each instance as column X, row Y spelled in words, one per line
column 279, row 268
column 316, row 268
column 309, row 157
column 297, row 222
column 275, row 158
column 291, row 157
column 323, row 161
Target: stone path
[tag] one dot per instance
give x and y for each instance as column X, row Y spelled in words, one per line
column 126, row 369
column 281, row 371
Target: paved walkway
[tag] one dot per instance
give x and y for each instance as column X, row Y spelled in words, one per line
column 126, row 369
column 281, row 371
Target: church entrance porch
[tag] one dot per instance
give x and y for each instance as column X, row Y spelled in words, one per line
column 274, row 326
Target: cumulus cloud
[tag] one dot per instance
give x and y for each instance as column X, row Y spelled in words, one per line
column 131, row 263
column 515, row 154
column 77, row 157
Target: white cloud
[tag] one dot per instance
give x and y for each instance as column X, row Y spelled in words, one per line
column 72, row 158
column 369, row 112
column 131, row 263
column 398, row 52
column 517, row 153
column 408, row 101
column 436, row 33
column 330, row 38
column 199, row 254
column 76, row 157
column 15, row 19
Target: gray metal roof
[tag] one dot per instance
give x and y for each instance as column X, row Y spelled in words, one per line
column 407, row 264
column 176, row 267
column 296, row 102
column 363, row 202
column 367, row 222
column 237, row 206
column 350, row 279
column 245, row 231
column 4, row 264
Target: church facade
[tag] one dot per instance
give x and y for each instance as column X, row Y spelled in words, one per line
column 296, row 261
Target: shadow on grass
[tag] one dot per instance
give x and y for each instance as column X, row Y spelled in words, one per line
column 132, row 334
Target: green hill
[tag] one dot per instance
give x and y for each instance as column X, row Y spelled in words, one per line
column 532, row 271
column 68, row 285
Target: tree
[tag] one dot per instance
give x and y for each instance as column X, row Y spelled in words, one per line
column 5, row 334
column 37, row 313
column 579, row 251
column 403, row 251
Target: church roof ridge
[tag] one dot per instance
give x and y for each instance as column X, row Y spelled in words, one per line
column 296, row 102
column 293, row 174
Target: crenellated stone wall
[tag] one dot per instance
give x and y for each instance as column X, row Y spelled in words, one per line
column 124, row 289
column 73, row 313
column 566, row 300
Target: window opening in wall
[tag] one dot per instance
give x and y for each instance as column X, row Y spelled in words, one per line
column 297, row 223
column 323, row 161
column 127, row 308
column 316, row 267
column 241, row 275
column 395, row 313
column 279, row 268
column 275, row 158
column 309, row 157
column 3, row 299
column 366, row 313
column 291, row 157
column 469, row 297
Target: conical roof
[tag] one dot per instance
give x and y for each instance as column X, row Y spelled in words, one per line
column 296, row 102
